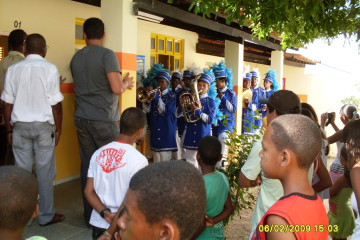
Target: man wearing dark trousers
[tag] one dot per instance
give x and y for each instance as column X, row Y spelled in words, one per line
column 97, row 84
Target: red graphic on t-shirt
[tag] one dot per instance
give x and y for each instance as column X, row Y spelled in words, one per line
column 110, row 159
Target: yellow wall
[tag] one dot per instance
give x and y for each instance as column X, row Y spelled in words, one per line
column 55, row 20
column 190, row 39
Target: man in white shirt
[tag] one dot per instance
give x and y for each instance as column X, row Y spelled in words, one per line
column 16, row 43
column 33, row 119
column 111, row 168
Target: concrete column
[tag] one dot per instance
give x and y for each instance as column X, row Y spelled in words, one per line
column 234, row 59
column 121, row 37
column 277, row 63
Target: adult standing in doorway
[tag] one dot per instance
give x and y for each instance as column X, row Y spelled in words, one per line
column 32, row 106
column 16, row 45
column 97, row 84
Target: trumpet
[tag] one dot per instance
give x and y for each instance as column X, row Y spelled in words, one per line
column 143, row 95
column 186, row 100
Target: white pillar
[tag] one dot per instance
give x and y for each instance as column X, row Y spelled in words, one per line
column 277, row 64
column 234, row 59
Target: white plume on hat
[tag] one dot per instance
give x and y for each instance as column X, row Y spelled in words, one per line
column 246, row 70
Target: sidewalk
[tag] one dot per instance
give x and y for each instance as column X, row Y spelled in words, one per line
column 67, row 201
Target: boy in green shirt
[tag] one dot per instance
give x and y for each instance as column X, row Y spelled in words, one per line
column 219, row 205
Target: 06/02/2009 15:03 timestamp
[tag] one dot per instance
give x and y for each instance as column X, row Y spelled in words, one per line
column 298, row 228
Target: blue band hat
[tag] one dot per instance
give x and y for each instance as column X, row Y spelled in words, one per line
column 254, row 74
column 247, row 76
column 221, row 71
column 176, row 75
column 165, row 75
column 271, row 77
column 220, row 74
column 188, row 74
column 206, row 78
column 212, row 93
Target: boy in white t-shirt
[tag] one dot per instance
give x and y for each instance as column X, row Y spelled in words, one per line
column 111, row 168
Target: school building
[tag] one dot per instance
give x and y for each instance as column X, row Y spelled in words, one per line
column 142, row 32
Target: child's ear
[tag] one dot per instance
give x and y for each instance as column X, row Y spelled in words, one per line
column 36, row 211
column 141, row 133
column 168, row 230
column 197, row 156
column 285, row 158
column 220, row 157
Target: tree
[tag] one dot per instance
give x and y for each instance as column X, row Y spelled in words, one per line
column 297, row 22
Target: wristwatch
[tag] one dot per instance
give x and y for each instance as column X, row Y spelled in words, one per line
column 103, row 212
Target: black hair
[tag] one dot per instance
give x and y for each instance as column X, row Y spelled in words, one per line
column 173, row 190
column 311, row 110
column 16, row 39
column 349, row 111
column 299, row 134
column 351, row 138
column 94, row 28
column 209, row 149
column 35, row 43
column 132, row 119
column 345, row 156
column 18, row 197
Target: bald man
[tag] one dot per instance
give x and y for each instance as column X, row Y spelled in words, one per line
column 33, row 119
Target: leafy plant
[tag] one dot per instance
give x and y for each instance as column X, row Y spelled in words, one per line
column 239, row 149
column 352, row 100
column 297, row 22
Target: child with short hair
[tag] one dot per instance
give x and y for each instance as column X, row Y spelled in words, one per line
column 165, row 200
column 111, row 168
column 19, row 193
column 340, row 212
column 219, row 205
column 290, row 145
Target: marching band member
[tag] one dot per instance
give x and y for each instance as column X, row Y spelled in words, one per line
column 197, row 130
column 162, row 118
column 177, row 89
column 227, row 107
column 271, row 86
column 258, row 92
column 247, row 112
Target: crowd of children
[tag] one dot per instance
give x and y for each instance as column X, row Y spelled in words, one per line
column 193, row 114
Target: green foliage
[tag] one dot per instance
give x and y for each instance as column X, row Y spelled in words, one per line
column 239, row 149
column 297, row 22
column 352, row 100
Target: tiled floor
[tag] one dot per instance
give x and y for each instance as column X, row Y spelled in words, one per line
column 68, row 201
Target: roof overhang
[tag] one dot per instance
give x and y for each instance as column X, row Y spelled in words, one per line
column 176, row 15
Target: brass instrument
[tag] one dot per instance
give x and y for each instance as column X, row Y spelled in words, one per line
column 186, row 100
column 247, row 95
column 143, row 95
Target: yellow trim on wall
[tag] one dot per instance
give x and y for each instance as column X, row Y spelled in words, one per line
column 79, row 43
